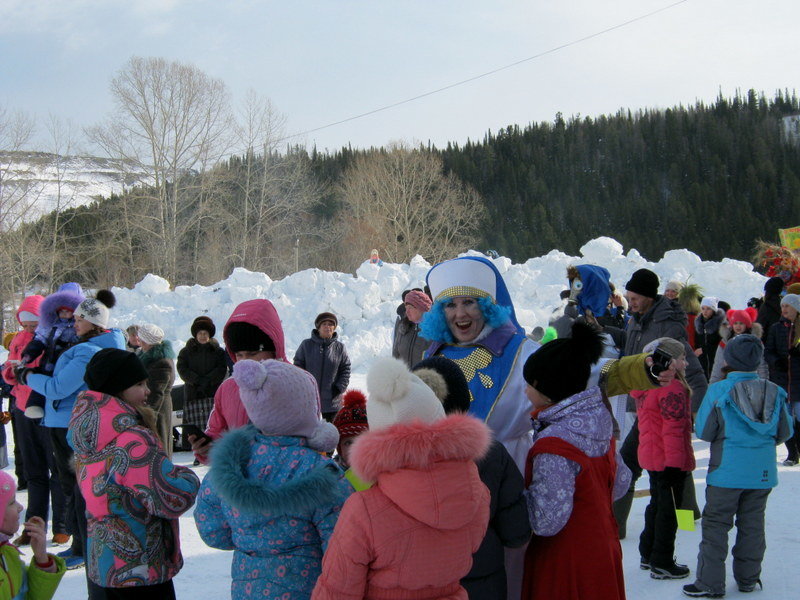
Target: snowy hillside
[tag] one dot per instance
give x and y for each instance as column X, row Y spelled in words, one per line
column 50, row 180
column 366, row 303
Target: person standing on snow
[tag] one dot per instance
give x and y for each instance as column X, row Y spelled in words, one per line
column 325, row 357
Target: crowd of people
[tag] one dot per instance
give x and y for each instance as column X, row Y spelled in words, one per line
column 480, row 462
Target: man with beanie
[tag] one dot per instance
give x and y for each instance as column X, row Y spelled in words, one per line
column 743, row 417
column 654, row 317
column 325, row 357
column 769, row 312
column 407, row 343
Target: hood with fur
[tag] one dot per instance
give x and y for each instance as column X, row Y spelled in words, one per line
column 48, row 313
column 726, row 331
column 421, row 467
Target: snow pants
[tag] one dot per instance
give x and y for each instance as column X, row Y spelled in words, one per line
column 722, row 505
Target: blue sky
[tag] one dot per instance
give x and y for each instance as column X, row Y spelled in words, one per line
column 323, row 61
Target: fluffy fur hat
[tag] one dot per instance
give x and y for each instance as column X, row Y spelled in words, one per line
column 203, row 323
column 282, row 399
column 396, row 395
column 151, row 334
column 96, row 310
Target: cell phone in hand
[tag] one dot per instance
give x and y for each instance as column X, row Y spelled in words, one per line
column 191, row 429
column 661, row 362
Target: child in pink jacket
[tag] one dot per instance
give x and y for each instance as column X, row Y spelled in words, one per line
column 665, row 451
column 412, row 534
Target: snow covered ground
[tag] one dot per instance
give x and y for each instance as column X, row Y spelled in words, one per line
column 206, row 573
column 366, row 305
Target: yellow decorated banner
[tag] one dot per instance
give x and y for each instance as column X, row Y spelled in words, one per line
column 790, row 238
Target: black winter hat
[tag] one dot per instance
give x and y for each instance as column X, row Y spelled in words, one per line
column 244, row 337
column 561, row 368
column 643, row 282
column 774, row 286
column 326, row 316
column 203, row 323
column 111, row 371
column 447, row 381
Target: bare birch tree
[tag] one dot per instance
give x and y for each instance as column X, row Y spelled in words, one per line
column 400, row 201
column 171, row 121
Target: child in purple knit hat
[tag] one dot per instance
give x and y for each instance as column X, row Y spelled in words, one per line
column 272, row 495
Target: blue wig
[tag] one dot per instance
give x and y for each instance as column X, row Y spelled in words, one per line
column 434, row 323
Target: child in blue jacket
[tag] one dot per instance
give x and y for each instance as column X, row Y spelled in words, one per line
column 745, row 418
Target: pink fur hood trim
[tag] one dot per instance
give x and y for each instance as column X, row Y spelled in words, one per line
column 417, row 445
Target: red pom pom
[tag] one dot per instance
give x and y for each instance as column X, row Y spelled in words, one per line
column 353, row 398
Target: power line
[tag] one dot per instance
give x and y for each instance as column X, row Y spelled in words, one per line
column 488, row 73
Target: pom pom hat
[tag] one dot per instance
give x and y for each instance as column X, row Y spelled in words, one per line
column 281, row 399
column 352, row 417
column 561, row 368
column 96, row 310
column 746, row 316
column 396, row 395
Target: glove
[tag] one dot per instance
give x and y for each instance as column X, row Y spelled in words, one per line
column 21, row 373
column 5, row 417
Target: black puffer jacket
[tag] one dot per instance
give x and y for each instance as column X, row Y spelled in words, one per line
column 769, row 313
column 666, row 318
column 783, row 359
column 509, row 525
column 707, row 338
column 202, row 367
column 328, row 362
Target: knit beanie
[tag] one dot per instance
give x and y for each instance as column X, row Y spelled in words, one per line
column 244, row 337
column 351, row 420
column 151, row 334
column 8, row 487
column 29, row 308
column 671, row 346
column 674, row 286
column 418, row 300
column 561, row 368
column 746, row 316
column 396, row 395
column 110, row 371
column 744, row 353
column 643, row 282
column 326, row 316
column 96, row 310
column 710, row 302
column 447, row 381
column 792, row 300
column 283, row 400
column 774, row 286
column 203, row 323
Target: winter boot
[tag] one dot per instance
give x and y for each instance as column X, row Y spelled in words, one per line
column 693, row 591
column 672, row 571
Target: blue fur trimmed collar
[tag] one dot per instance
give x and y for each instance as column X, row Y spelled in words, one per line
column 228, row 475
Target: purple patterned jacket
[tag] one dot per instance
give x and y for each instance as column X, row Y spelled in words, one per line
column 583, row 421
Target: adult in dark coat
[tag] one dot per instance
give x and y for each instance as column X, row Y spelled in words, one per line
column 782, row 354
column 769, row 312
column 509, row 526
column 707, row 337
column 407, row 343
column 202, row 367
column 654, row 317
column 158, row 359
column 325, row 357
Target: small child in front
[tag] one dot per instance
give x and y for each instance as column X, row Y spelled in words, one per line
column 40, row 580
column 745, row 418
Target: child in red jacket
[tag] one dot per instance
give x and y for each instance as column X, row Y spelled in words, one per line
column 665, row 450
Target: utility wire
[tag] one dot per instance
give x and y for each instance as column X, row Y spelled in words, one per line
column 488, row 73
